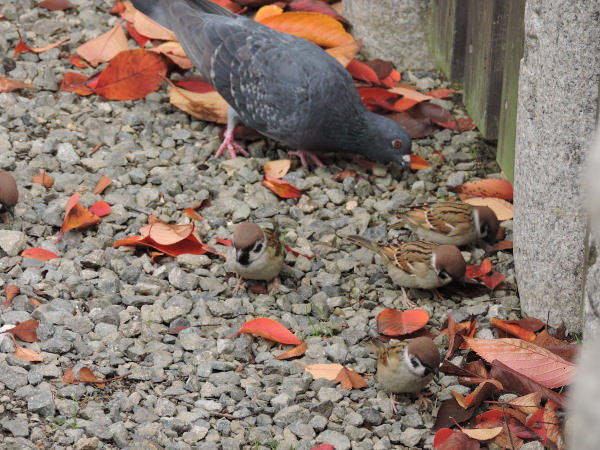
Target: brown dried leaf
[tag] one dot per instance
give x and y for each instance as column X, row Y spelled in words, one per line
column 10, row 292
column 350, row 379
column 102, row 184
column 44, row 179
column 28, row 354
column 26, row 331
column 299, row 350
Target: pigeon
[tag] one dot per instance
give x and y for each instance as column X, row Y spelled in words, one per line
column 283, row 86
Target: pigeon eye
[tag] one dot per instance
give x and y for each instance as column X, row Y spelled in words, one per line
column 397, row 143
column 258, row 247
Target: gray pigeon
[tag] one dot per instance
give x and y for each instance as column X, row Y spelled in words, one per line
column 285, row 87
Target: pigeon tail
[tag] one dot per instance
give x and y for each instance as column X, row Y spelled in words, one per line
column 155, row 9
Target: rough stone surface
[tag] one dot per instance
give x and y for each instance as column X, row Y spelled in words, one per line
column 392, row 30
column 550, row 220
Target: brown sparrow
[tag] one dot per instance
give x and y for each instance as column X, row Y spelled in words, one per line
column 405, row 368
column 454, row 223
column 255, row 254
column 9, row 193
column 418, row 264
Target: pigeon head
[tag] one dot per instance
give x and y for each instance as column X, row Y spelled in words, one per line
column 388, row 141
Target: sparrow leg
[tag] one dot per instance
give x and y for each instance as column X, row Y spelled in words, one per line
column 393, row 403
column 302, row 154
column 274, row 286
column 238, row 286
column 436, row 295
column 407, row 302
column 422, row 400
column 228, row 141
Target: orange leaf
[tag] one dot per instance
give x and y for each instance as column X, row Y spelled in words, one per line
column 84, row 375
column 77, row 61
column 269, row 329
column 28, row 354
column 193, row 214
column 104, row 47
column 77, row 216
column 315, row 27
column 23, row 47
column 411, row 94
column 7, row 85
column 131, row 75
column 418, row 163
column 26, row 331
column 482, row 434
column 102, row 184
column 527, row 404
column 483, row 391
column 226, row 242
column 479, row 270
column 100, row 208
column 10, row 292
column 150, row 29
column 43, row 179
column 392, row 322
column 502, row 208
column 361, row 71
column 166, row 234
column 76, row 82
column 174, row 51
column 513, row 329
column 441, row 93
column 39, row 253
column 490, row 187
column 282, row 188
column 345, row 53
column 209, row 106
column 55, row 5
column 494, row 280
column 537, row 363
column 267, row 11
column 35, row 302
column 194, row 84
column 447, row 439
column 349, row 379
column 277, row 169
column 294, row 352
column 327, row 371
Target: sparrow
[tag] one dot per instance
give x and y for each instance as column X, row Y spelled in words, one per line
column 9, row 193
column 405, row 368
column 454, row 223
column 418, row 264
column 255, row 254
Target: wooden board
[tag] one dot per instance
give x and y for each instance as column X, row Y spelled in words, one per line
column 447, row 36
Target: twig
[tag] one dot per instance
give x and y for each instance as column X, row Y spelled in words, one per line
column 512, row 445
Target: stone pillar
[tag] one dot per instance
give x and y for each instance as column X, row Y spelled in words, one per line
column 394, row 30
column 558, row 89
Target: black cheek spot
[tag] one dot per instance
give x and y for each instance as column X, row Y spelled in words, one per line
column 244, row 258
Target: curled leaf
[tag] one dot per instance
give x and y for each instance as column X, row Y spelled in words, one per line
column 282, row 188
column 392, row 322
column 102, row 184
column 278, row 168
column 299, row 350
column 39, row 253
column 44, row 179
column 269, row 329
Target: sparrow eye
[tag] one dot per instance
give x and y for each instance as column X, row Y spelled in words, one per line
column 257, row 247
column 483, row 229
column 397, row 143
column 444, row 276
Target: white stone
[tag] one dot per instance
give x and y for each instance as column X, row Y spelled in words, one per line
column 12, row 242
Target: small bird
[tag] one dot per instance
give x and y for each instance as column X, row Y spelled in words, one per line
column 255, row 254
column 283, row 86
column 454, row 223
column 405, row 368
column 9, row 193
column 418, row 264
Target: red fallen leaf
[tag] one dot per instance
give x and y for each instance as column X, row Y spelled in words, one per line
column 55, row 5
column 502, row 245
column 10, row 292
column 514, row 329
column 383, row 70
column 26, row 331
column 39, row 253
column 269, row 329
column 277, row 169
column 193, row 214
column 418, row 163
column 323, row 447
column 194, row 84
column 85, row 375
column 131, row 75
column 529, row 323
column 479, row 270
column 23, row 47
column 77, row 61
column 174, row 51
column 361, row 71
column 536, row 423
column 230, row 5
column 495, row 418
column 489, row 187
column 392, row 322
column 294, row 252
column 7, row 85
column 119, row 8
column 226, row 242
column 417, row 128
column 104, row 47
column 349, row 379
column 552, row 424
column 76, row 82
column 147, row 27
column 44, row 179
column 141, row 40
column 378, row 99
column 442, row 93
column 447, row 439
column 438, row 115
column 282, row 188
column 494, row 280
column 537, row 363
column 450, row 409
column 27, row 354
column 77, row 216
column 208, row 106
column 100, row 208
column 483, row 391
column 315, row 6
column 465, row 124
column 102, row 184
column 299, row 350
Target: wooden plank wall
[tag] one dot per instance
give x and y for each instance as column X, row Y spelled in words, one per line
column 479, row 43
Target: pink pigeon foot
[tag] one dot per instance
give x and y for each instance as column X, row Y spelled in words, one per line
column 302, row 154
column 232, row 146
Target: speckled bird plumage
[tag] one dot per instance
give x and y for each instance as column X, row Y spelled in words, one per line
column 283, row 86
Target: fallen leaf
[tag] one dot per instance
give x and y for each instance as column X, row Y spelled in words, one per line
column 104, row 47
column 35, row 302
column 552, row 424
column 493, row 280
column 482, row 434
column 55, row 5
column 84, row 375
column 502, row 245
column 28, row 354
column 349, row 379
column 267, row 11
column 26, row 331
column 315, row 27
column 135, row 34
column 447, row 439
column 23, row 47
column 411, row 94
column 77, row 216
column 277, row 169
column 39, row 253
column 418, row 163
column 361, row 71
column 483, row 391
column 174, row 51
column 513, row 329
column 102, row 184
column 299, row 350
column 496, row 418
column 76, row 82
column 535, row 362
column 451, row 409
column 43, row 179
column 7, row 85
column 100, row 208
column 209, row 106
column 317, row 6
column 465, row 124
column 341, row 176
column 345, row 53
column 296, row 253
column 194, row 83
column 479, row 270
column 150, row 29
column 441, row 93
column 438, row 115
column 78, row 61
column 392, row 322
column 503, row 209
column 10, row 292
column 527, row 404
column 489, row 187
column 227, row 242
column 417, row 127
column 536, row 423
column 323, row 447
column 131, row 75
column 193, row 214
column 269, row 329
column 327, row 371
column 282, row 188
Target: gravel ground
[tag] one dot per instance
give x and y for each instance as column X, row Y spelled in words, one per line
column 112, row 309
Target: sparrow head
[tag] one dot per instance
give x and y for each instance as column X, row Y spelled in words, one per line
column 9, row 193
column 486, row 222
column 389, row 141
column 249, row 242
column 449, row 263
column 422, row 356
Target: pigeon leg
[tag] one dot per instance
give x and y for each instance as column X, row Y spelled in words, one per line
column 407, row 302
column 302, row 154
column 228, row 141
